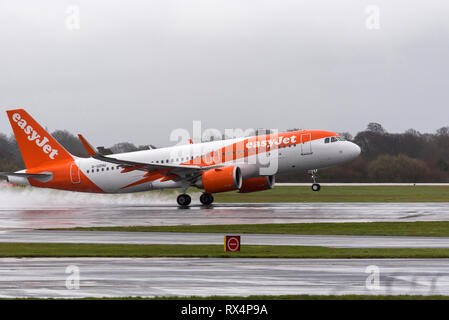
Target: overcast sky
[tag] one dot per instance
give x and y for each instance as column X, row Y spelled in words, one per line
column 135, row 70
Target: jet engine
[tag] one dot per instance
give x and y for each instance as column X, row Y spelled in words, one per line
column 257, row 184
column 220, row 179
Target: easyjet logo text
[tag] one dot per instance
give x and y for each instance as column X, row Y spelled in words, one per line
column 41, row 142
column 271, row 142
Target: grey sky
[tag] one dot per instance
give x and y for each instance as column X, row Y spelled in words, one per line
column 135, row 70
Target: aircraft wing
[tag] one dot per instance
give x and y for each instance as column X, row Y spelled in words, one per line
column 186, row 171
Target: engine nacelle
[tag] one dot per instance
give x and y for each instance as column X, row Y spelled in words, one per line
column 220, row 179
column 257, row 184
column 249, row 170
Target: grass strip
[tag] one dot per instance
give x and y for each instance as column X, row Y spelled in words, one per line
column 341, row 194
column 419, row 229
column 209, row 251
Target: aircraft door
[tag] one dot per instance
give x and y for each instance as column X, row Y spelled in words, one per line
column 306, row 143
column 75, row 173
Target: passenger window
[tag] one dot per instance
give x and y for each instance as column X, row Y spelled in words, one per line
column 112, row 168
column 326, row 140
column 98, row 170
column 102, row 169
column 87, row 171
column 107, row 169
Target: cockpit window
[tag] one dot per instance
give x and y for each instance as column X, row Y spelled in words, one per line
column 333, row 139
column 326, row 140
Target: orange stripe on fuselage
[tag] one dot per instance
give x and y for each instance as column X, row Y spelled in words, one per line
column 239, row 150
column 132, row 168
column 170, row 177
column 144, row 180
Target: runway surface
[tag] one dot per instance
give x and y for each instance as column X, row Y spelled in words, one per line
column 150, row 277
column 44, row 236
column 39, row 216
column 35, row 208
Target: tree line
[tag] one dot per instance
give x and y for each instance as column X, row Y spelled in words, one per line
column 390, row 157
column 386, row 157
column 11, row 159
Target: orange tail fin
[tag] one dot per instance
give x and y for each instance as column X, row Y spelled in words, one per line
column 36, row 145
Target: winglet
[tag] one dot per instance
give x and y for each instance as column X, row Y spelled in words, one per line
column 90, row 150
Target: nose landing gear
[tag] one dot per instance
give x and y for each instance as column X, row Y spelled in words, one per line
column 315, row 186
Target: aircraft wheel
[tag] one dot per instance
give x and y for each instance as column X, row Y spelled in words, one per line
column 184, row 199
column 206, row 198
column 316, row 187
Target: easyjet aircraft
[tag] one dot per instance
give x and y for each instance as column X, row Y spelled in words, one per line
column 216, row 166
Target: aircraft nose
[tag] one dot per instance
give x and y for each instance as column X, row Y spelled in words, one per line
column 354, row 150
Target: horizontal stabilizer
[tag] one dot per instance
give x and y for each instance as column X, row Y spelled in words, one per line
column 25, row 175
column 21, row 177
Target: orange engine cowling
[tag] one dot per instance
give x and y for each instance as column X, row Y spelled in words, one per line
column 257, row 184
column 221, row 179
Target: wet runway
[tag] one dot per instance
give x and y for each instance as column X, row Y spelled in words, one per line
column 150, row 277
column 44, row 236
column 88, row 215
column 34, row 208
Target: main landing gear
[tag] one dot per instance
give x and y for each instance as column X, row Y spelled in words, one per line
column 206, row 198
column 184, row 200
column 315, row 186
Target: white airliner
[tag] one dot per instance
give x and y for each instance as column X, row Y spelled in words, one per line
column 246, row 164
